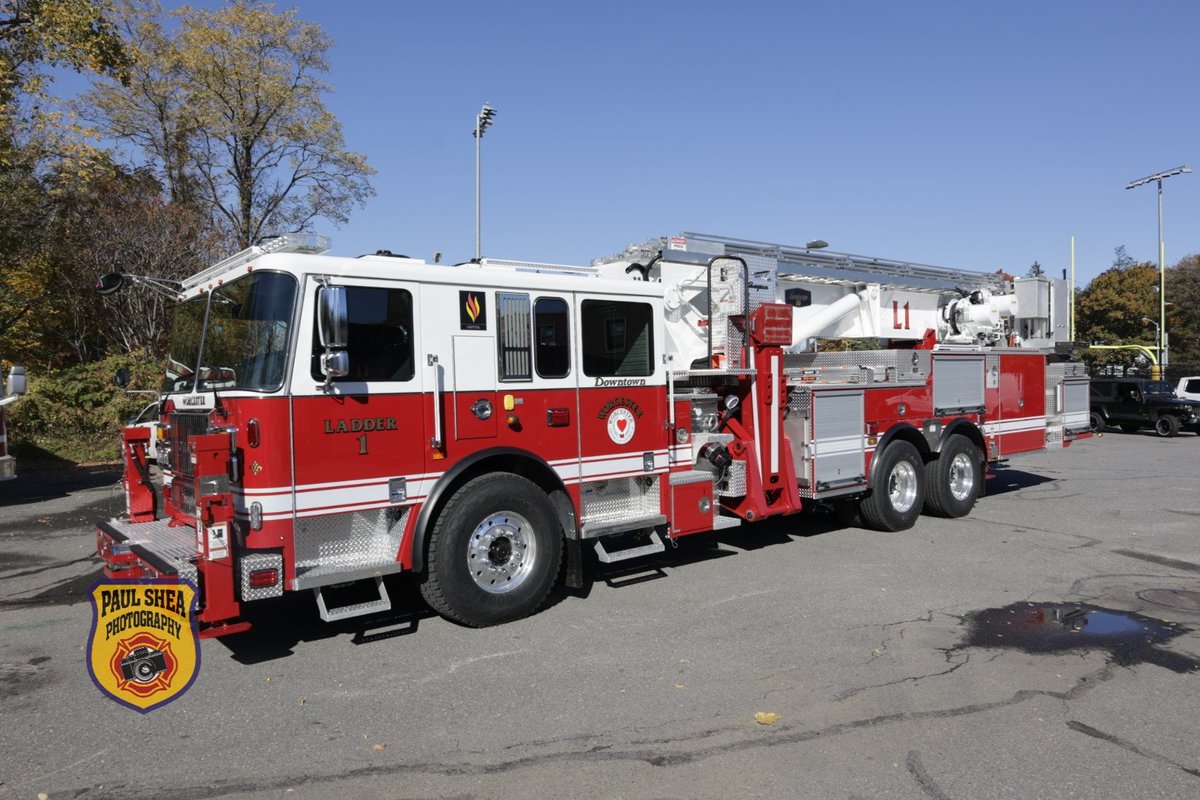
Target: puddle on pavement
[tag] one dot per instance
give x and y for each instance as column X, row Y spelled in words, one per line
column 1057, row 627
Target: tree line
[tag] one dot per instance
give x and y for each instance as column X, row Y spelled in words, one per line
column 202, row 131
column 199, row 132
column 1114, row 308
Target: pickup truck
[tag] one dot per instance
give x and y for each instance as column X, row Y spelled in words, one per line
column 1135, row 403
column 1189, row 388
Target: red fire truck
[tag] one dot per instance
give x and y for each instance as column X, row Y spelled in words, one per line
column 328, row 421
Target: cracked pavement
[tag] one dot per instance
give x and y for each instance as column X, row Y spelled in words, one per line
column 647, row 686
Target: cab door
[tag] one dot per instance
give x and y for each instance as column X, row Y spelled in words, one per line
column 537, row 377
column 360, row 440
column 622, row 410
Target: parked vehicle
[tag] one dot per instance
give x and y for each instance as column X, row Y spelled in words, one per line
column 1133, row 404
column 1189, row 388
column 148, row 418
column 14, row 388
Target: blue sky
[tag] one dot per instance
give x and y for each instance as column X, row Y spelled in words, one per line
column 976, row 135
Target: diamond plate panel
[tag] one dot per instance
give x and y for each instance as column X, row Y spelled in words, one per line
column 345, row 542
column 691, row 476
column 800, row 401
column 727, row 294
column 175, row 545
column 763, row 271
column 622, row 498
column 256, row 561
column 734, row 482
column 899, row 360
column 1066, row 369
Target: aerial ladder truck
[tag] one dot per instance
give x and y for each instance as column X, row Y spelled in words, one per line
column 329, row 421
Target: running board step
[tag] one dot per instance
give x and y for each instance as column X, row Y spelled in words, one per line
column 655, row 546
column 336, row 613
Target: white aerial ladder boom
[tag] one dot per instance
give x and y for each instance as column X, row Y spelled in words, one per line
column 836, row 295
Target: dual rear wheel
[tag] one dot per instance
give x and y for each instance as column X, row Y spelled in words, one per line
column 905, row 485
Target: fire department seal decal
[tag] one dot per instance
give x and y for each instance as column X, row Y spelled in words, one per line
column 621, row 425
column 144, row 650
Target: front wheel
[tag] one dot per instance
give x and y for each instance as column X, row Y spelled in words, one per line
column 895, row 501
column 953, row 479
column 494, row 552
column 1166, row 425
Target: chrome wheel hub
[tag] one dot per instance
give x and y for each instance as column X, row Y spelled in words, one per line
column 902, row 486
column 501, row 552
column 962, row 476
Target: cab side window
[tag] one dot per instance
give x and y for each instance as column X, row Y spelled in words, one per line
column 512, row 336
column 618, row 338
column 552, row 347
column 379, row 338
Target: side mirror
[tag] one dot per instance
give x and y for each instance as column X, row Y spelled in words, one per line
column 121, row 378
column 332, row 317
column 112, row 282
column 335, row 364
column 16, row 381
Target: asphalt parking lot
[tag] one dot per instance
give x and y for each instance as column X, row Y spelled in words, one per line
column 987, row 657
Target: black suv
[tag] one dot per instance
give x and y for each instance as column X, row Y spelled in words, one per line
column 1135, row 403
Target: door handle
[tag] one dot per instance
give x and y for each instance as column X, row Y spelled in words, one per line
column 436, row 440
column 558, row 417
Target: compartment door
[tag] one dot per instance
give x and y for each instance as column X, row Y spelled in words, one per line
column 838, row 443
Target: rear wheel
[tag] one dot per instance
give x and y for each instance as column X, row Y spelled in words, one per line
column 1166, row 425
column 953, row 480
column 895, row 501
column 494, row 552
column 1096, row 421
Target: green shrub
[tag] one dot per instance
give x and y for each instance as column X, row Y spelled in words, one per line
column 76, row 414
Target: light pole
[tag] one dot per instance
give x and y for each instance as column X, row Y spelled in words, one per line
column 483, row 121
column 1157, row 346
column 1158, row 177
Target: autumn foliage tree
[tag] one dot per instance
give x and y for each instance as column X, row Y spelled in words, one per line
column 1183, row 316
column 1115, row 307
column 222, row 136
column 228, row 105
column 121, row 222
column 36, row 142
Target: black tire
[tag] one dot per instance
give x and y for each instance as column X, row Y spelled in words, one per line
column 494, row 552
column 954, row 479
column 1166, row 425
column 1096, row 422
column 896, row 499
column 1130, row 427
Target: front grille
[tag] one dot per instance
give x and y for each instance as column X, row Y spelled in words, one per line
column 182, row 428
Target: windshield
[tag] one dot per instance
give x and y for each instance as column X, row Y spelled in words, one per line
column 245, row 340
column 1159, row 387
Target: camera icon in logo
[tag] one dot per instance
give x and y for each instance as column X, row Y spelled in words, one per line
column 143, row 664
